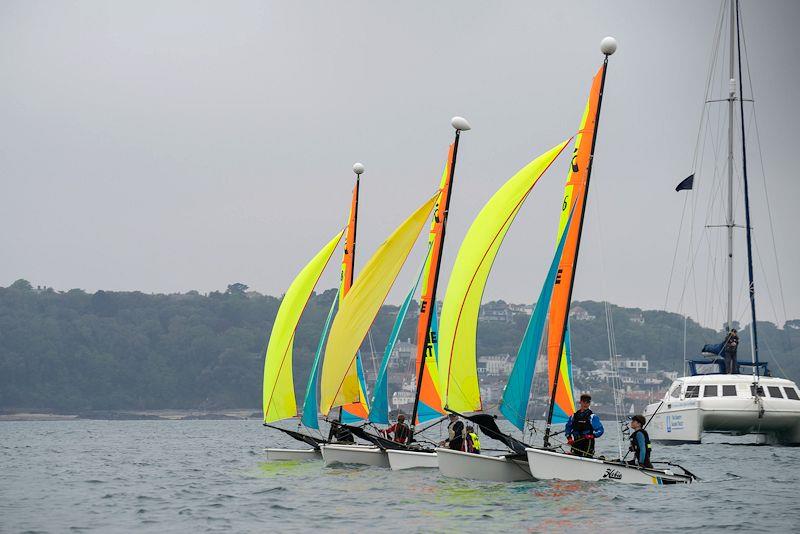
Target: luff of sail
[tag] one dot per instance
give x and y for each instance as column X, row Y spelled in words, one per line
column 360, row 409
column 340, row 384
column 430, row 403
column 459, row 319
column 573, row 202
column 278, row 385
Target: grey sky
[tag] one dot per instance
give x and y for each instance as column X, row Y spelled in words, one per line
column 172, row 146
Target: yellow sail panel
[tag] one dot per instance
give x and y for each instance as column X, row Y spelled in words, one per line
column 278, row 387
column 340, row 383
column 458, row 325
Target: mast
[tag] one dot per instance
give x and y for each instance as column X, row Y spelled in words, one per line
column 349, row 266
column 459, row 124
column 607, row 46
column 751, row 286
column 729, row 223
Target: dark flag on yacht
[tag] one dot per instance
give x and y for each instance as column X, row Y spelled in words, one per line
column 686, row 183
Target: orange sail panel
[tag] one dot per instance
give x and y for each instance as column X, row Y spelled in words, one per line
column 574, row 195
column 430, row 403
column 360, row 409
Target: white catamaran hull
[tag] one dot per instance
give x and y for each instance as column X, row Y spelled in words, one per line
column 458, row 464
column 292, row 454
column 548, row 465
column 399, row 460
column 354, row 454
column 683, row 419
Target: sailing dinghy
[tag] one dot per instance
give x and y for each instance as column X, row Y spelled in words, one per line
column 462, row 305
column 278, row 385
column 382, row 271
column 550, row 462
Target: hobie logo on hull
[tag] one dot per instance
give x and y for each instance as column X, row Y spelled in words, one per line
column 612, row 474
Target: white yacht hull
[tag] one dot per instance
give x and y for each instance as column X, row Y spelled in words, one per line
column 548, row 465
column 399, row 460
column 458, row 464
column 274, row 455
column 354, row 454
column 684, row 420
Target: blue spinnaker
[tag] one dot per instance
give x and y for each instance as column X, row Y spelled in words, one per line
column 379, row 412
column 518, row 389
column 311, row 402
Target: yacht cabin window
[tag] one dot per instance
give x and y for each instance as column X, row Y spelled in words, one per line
column 729, row 390
column 760, row 391
column 791, row 393
column 775, row 392
column 692, row 392
column 709, row 391
column 676, row 391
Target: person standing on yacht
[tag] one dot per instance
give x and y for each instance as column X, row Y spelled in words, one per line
column 729, row 350
column 582, row 429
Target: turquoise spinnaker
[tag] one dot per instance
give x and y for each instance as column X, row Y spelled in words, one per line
column 311, row 402
column 379, row 412
column 518, row 389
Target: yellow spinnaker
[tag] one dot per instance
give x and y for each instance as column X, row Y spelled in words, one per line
column 339, row 383
column 458, row 325
column 279, row 401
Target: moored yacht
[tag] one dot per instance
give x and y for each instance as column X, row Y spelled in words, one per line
column 733, row 404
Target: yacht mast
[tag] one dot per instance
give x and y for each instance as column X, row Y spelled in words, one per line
column 729, row 220
column 751, row 289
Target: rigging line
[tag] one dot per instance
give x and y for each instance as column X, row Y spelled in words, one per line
column 781, row 292
column 372, row 355
column 609, row 323
column 766, row 284
column 677, row 246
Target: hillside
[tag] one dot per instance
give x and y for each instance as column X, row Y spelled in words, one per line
column 67, row 351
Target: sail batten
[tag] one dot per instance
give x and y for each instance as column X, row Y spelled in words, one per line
column 340, row 384
column 457, row 363
column 278, row 385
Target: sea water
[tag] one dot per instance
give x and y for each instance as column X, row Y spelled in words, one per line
column 197, row 476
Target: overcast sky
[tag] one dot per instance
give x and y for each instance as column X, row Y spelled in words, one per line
column 169, row 146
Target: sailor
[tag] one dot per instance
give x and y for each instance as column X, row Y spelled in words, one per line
column 582, row 429
column 640, row 443
column 729, row 350
column 455, row 434
column 473, row 441
column 400, row 430
column 340, row 433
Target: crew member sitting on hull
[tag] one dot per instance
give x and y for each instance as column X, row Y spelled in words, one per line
column 473, row 441
column 399, row 430
column 640, row 443
column 340, row 433
column 455, row 434
column 582, row 429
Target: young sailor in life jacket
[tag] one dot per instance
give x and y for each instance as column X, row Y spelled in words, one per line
column 640, row 443
column 399, row 430
column 582, row 429
column 473, row 441
column 455, row 434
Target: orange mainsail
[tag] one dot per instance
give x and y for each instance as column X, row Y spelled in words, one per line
column 575, row 192
column 357, row 410
column 430, row 403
